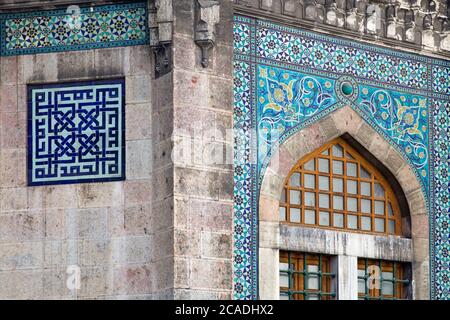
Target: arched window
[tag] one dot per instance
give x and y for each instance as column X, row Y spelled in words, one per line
column 335, row 187
column 340, row 222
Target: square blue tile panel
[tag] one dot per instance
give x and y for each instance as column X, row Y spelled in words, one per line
column 76, row 132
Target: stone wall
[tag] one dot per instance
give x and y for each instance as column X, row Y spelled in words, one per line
column 164, row 232
column 116, row 232
column 203, row 185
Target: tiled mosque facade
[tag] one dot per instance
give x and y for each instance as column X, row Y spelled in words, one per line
column 144, row 145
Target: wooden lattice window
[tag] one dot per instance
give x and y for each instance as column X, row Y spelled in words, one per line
column 381, row 280
column 335, row 187
column 305, row 276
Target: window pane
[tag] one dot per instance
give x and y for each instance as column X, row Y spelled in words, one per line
column 366, row 206
column 324, row 183
column 391, row 225
column 391, row 212
column 310, row 217
column 351, row 169
column 313, row 280
column 352, row 187
column 338, row 167
column 361, row 282
column 338, row 202
column 310, row 199
column 349, row 156
column 283, row 195
column 295, row 215
column 366, row 223
column 378, row 190
column 379, row 207
column 352, row 204
column 338, row 185
column 284, row 280
column 352, row 222
column 325, row 152
column 310, row 165
column 294, row 196
column 282, row 212
column 324, row 200
column 284, row 266
column 387, row 286
column 364, row 173
column 324, row 165
column 324, row 218
column 365, row 188
column 361, row 286
column 338, row 151
column 310, row 181
column 338, row 220
column 388, row 275
column 295, row 179
column 379, row 225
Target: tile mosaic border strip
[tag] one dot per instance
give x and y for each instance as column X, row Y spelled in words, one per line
column 91, row 28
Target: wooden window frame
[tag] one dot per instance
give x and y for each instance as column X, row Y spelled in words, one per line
column 375, row 178
column 298, row 263
column 399, row 283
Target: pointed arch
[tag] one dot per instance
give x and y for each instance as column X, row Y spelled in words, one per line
column 344, row 121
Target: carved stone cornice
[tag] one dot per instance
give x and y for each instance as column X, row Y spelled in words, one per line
column 420, row 25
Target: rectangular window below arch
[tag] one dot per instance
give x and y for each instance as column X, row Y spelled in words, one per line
column 382, row 280
column 305, row 276
column 315, row 276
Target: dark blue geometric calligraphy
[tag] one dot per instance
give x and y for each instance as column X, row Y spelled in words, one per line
column 76, row 132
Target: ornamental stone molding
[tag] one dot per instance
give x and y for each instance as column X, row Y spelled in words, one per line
column 207, row 15
column 414, row 24
column 160, row 16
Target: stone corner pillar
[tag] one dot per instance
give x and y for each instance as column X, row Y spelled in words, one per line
column 202, row 145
